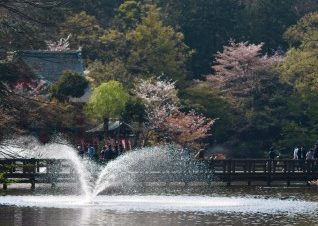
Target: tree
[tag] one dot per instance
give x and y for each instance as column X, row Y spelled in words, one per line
column 103, row 10
column 163, row 114
column 107, row 101
column 207, row 25
column 160, row 99
column 247, row 86
column 70, row 84
column 26, row 24
column 150, row 48
column 299, row 68
column 61, row 45
column 100, row 72
column 85, row 32
column 240, row 68
column 296, row 34
column 186, row 129
column 157, row 49
column 129, row 14
column 267, row 20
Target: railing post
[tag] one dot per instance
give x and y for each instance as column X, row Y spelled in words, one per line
column 269, row 165
column 254, row 166
column 233, row 167
column 229, row 170
column 32, row 172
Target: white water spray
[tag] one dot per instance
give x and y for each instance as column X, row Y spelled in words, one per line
column 124, row 172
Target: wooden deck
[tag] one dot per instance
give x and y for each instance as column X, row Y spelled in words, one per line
column 248, row 171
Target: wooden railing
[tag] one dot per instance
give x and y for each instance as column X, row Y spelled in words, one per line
column 265, row 170
column 264, row 166
column 54, row 171
column 35, row 171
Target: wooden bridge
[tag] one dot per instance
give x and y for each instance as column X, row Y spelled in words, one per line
column 249, row 172
column 253, row 171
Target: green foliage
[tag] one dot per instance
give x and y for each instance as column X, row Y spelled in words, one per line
column 103, row 10
column 144, row 47
column 114, row 70
column 267, row 20
column 115, row 45
column 203, row 99
column 300, row 69
column 129, row 14
column 206, row 24
column 300, row 65
column 85, row 31
column 107, row 101
column 296, row 34
column 69, row 85
column 157, row 49
column 27, row 24
column 134, row 111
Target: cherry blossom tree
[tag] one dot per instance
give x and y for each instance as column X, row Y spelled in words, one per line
column 31, row 87
column 240, row 68
column 164, row 116
column 61, row 45
column 187, row 128
column 160, row 99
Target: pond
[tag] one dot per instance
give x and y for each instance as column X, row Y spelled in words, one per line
column 215, row 205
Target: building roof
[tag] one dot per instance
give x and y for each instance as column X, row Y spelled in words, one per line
column 49, row 65
column 112, row 125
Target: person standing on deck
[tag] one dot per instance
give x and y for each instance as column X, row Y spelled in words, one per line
column 108, row 153
column 310, row 155
column 299, row 153
column 272, row 154
column 91, row 151
column 102, row 153
column 81, row 151
column 303, row 154
column 316, row 150
column 295, row 153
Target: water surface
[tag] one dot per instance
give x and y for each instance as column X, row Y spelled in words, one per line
column 193, row 206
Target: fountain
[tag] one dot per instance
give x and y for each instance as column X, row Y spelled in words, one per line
column 120, row 174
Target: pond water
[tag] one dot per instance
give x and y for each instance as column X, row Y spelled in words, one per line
column 164, row 206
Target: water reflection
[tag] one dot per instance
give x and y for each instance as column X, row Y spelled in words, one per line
column 53, row 217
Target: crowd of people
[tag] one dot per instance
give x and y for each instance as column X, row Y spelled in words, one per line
column 108, row 152
column 299, row 153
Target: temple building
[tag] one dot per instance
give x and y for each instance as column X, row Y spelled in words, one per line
column 117, row 132
column 50, row 65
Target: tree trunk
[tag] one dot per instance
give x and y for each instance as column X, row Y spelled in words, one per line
column 106, row 122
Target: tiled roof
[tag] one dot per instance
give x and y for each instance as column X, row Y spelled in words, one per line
column 112, row 125
column 49, row 65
